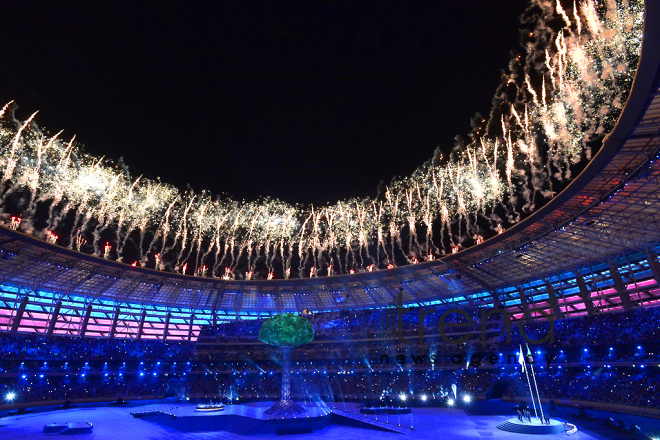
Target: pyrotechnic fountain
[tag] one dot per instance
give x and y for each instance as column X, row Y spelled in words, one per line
column 556, row 100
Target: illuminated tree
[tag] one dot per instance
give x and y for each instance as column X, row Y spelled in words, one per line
column 286, row 331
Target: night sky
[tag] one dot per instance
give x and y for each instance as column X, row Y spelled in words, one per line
column 303, row 101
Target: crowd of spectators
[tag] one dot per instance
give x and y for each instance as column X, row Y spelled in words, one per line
column 75, row 387
column 359, row 324
column 346, row 385
column 635, row 326
column 630, row 327
column 625, row 386
column 605, row 358
column 25, row 347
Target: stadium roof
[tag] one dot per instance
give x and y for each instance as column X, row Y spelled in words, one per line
column 611, row 210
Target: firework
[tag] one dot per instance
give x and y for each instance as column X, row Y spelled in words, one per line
column 563, row 93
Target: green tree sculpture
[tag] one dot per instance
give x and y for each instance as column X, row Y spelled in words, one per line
column 286, row 331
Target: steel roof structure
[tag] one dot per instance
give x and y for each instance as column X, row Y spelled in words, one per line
column 594, row 247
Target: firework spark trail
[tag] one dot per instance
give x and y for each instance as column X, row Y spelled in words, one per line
column 198, row 229
column 362, row 211
column 104, row 213
column 233, row 239
column 317, row 248
column 57, row 194
column 287, row 264
column 285, row 225
column 266, row 244
column 565, row 92
column 182, row 233
column 392, row 224
column 249, row 237
column 5, row 108
column 150, row 194
column 413, row 244
column 162, row 232
column 122, row 217
column 332, row 243
column 380, row 242
column 228, row 246
column 81, row 213
column 232, row 257
column 302, row 249
column 215, row 242
column 34, row 178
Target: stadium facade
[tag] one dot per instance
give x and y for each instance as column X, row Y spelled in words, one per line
column 593, row 248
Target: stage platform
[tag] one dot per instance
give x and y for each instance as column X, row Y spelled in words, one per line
column 116, row 423
column 393, row 410
column 533, row 427
column 251, row 409
column 239, row 419
column 68, row 428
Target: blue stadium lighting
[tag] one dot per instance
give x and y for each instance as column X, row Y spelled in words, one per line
column 467, row 398
column 41, row 376
column 450, row 402
column 10, row 396
column 424, row 397
column 586, row 349
column 24, row 376
column 141, row 373
column 611, row 348
column 403, row 397
column 639, row 347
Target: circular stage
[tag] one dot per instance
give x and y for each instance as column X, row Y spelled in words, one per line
column 535, row 427
column 385, row 410
column 210, row 407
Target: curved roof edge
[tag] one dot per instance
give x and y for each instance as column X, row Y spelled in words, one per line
column 535, row 225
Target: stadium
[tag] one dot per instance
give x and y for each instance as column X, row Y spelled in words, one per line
column 549, row 326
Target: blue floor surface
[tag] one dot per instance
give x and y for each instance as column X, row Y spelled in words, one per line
column 112, row 423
